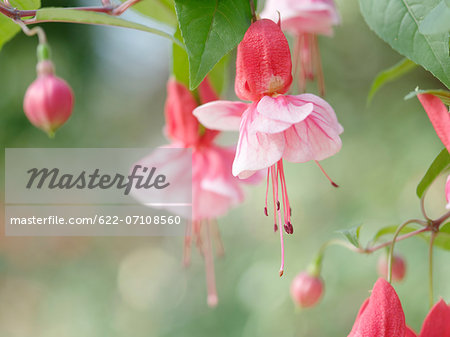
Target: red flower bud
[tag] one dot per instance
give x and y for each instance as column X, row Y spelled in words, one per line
column 49, row 99
column 306, row 290
column 263, row 64
column 398, row 267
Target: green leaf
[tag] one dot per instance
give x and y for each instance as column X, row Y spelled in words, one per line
column 352, row 235
column 442, row 240
column 440, row 164
column 391, row 230
column 397, row 23
column 444, row 95
column 437, row 21
column 210, row 30
column 94, row 18
column 180, row 63
column 218, row 75
column 160, row 10
column 390, row 74
column 8, row 29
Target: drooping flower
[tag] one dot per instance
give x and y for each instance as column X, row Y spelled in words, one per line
column 437, row 322
column 447, row 192
column 305, row 19
column 48, row 102
column 306, row 289
column 274, row 126
column 398, row 267
column 439, row 115
column 381, row 315
column 214, row 189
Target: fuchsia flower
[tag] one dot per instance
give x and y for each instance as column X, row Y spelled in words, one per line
column 381, row 315
column 274, row 126
column 439, row 116
column 305, row 19
column 48, row 102
column 214, row 189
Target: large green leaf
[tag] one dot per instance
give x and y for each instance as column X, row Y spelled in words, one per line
column 160, row 10
column 440, row 164
column 94, row 18
column 437, row 21
column 397, row 22
column 390, row 74
column 8, row 29
column 210, row 29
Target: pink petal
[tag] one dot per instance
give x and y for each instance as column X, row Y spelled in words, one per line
column 221, row 115
column 439, row 116
column 276, row 114
column 284, row 108
column 381, row 315
column 437, row 322
column 255, row 150
column 315, row 138
column 303, row 16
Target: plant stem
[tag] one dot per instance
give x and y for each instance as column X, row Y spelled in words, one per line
column 33, row 31
column 253, row 10
column 17, row 14
column 391, row 251
column 430, row 269
column 400, row 238
column 422, row 208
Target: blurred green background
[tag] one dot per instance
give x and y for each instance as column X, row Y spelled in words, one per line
column 72, row 287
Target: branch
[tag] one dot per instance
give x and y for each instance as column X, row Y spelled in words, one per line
column 109, row 9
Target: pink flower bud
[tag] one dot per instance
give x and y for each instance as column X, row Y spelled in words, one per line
column 306, row 290
column 447, row 192
column 49, row 99
column 263, row 64
column 398, row 267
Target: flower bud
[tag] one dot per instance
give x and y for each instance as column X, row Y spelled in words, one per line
column 48, row 102
column 398, row 267
column 263, row 64
column 306, row 290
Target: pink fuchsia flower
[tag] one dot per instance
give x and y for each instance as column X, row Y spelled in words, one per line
column 48, row 102
column 398, row 267
column 381, row 315
column 306, row 289
column 437, row 322
column 447, row 192
column 274, row 126
column 439, row 116
column 305, row 19
column 214, row 189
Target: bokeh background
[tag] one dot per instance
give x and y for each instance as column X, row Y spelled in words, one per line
column 71, row 287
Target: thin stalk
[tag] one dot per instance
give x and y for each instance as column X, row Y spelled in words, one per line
column 430, row 269
column 391, row 251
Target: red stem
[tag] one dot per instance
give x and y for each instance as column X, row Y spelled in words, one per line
column 110, row 10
